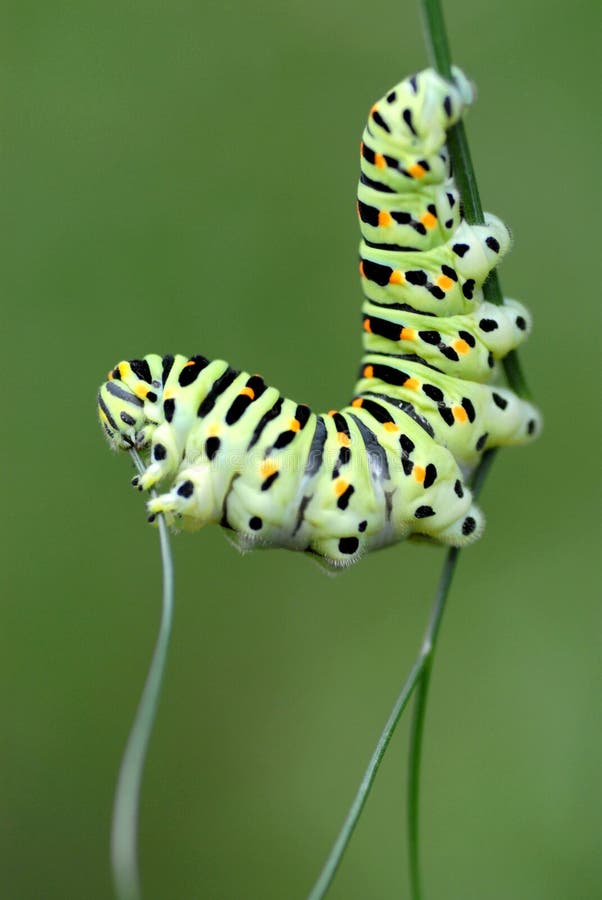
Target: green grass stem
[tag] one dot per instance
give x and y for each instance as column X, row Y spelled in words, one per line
column 418, row 714
column 124, row 830
column 340, row 845
column 439, row 53
column 440, row 59
column 420, row 674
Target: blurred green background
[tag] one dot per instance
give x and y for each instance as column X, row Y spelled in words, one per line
column 180, row 177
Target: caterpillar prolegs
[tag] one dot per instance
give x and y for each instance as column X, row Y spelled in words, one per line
column 226, row 448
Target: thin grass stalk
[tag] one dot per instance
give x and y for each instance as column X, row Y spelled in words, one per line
column 416, row 675
column 335, row 856
column 124, row 828
column 439, row 53
column 440, row 58
column 418, row 714
column 414, row 679
column 419, row 677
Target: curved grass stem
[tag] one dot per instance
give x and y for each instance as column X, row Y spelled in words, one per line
column 124, row 829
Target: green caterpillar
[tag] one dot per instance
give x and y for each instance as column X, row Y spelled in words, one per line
column 231, row 450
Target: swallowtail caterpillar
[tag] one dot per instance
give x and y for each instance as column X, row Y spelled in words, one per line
column 223, row 447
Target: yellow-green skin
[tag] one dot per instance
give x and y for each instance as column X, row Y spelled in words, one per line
column 225, row 448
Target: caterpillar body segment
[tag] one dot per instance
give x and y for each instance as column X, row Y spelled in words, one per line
column 225, row 448
column 467, row 346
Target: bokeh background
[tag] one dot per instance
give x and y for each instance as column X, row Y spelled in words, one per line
column 180, row 177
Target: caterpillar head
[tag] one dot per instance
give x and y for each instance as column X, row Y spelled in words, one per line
column 129, row 402
column 434, row 102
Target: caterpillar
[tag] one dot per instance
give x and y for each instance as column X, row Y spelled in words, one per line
column 394, row 463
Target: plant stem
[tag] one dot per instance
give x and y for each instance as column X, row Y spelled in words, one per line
column 438, row 50
column 340, row 845
column 420, row 673
column 124, row 829
column 427, row 656
column 457, row 143
column 415, row 755
column 415, row 679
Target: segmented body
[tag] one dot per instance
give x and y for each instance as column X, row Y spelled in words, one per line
column 231, row 450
